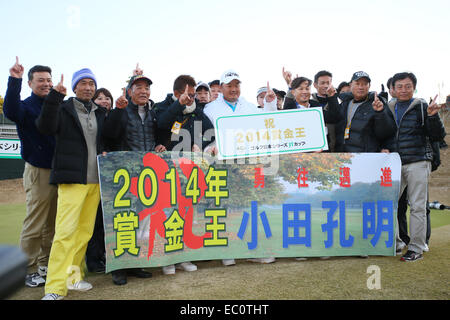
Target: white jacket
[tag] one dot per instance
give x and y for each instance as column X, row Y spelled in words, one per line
column 219, row 108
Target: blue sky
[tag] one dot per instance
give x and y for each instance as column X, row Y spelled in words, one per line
column 204, row 38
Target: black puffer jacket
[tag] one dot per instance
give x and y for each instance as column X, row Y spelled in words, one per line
column 59, row 118
column 369, row 128
column 416, row 131
column 169, row 111
column 126, row 131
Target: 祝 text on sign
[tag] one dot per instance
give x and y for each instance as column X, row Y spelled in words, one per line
column 288, row 131
column 159, row 211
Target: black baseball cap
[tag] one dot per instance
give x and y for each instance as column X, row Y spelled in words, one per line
column 360, row 74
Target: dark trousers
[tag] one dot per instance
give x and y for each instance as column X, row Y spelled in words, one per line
column 95, row 253
column 402, row 222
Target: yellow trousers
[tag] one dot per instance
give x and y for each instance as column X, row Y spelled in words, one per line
column 75, row 219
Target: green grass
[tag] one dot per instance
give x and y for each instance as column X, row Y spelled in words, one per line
column 336, row 278
column 11, row 217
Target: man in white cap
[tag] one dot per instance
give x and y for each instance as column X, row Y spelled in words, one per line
column 230, row 101
column 203, row 93
column 260, row 95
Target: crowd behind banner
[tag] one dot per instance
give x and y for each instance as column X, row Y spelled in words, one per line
column 61, row 138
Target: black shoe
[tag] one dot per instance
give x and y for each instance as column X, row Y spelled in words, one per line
column 119, row 277
column 411, row 256
column 97, row 267
column 138, row 273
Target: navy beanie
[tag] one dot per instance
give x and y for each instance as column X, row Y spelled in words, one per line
column 82, row 74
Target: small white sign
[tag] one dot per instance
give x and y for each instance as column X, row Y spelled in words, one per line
column 270, row 133
column 10, row 148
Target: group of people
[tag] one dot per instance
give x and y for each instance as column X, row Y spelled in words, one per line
column 60, row 141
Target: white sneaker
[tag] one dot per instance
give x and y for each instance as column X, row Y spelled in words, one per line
column 325, row 258
column 426, row 249
column 80, row 286
column 301, row 259
column 169, row 269
column 186, row 266
column 52, row 296
column 263, row 260
column 42, row 270
column 34, row 280
column 228, row 262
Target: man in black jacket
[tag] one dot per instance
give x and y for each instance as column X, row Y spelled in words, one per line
column 131, row 126
column 419, row 125
column 76, row 124
column 366, row 121
column 180, row 115
column 327, row 97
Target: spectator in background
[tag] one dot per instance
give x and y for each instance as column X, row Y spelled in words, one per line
column 343, row 87
column 76, row 124
column 215, row 89
column 103, row 98
column 95, row 253
column 260, row 94
column 391, row 88
column 37, row 151
column 280, row 98
column 203, row 93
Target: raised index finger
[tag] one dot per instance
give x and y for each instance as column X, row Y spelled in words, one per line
column 62, row 79
column 17, row 60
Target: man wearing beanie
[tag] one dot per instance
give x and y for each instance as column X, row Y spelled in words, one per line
column 76, row 124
